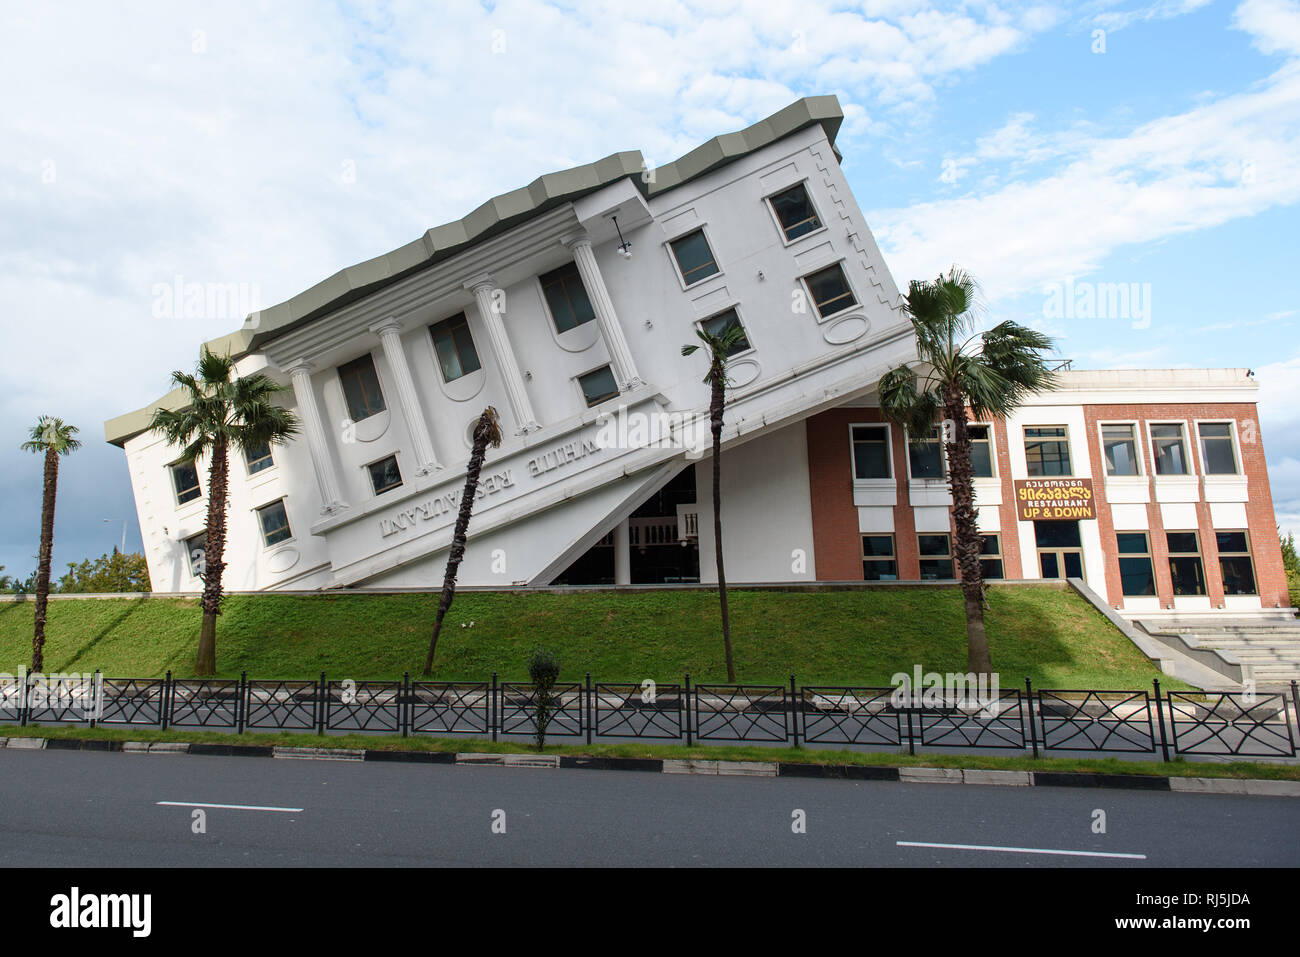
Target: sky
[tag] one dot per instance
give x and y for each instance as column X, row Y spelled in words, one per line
column 1051, row 149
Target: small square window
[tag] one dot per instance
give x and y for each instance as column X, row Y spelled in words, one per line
column 925, row 455
column 275, row 523
column 1047, row 451
column 1217, row 454
column 361, row 388
column 196, row 548
column 879, row 563
column 830, row 291
column 991, row 557
column 794, row 210
column 717, row 325
column 936, row 557
column 455, row 348
column 597, row 386
column 567, row 297
column 384, row 474
column 185, row 477
column 870, row 452
column 1169, row 450
column 694, row 257
column 258, row 457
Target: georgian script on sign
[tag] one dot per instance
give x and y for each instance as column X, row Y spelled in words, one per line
column 442, row 504
column 1057, row 499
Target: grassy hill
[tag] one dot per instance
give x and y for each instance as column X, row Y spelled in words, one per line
column 836, row 637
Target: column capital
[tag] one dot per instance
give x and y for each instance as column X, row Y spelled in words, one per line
column 474, row 283
column 384, row 325
column 299, row 366
column 579, row 237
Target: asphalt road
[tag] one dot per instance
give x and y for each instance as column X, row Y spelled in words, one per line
column 84, row 809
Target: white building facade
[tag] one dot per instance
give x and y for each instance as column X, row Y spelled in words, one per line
column 565, row 305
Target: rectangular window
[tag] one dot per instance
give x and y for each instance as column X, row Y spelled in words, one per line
column 258, row 457
column 879, row 563
column 196, row 548
column 1119, row 448
column 925, row 455
column 981, row 451
column 694, row 257
column 361, row 388
column 870, row 452
column 1234, row 563
column 597, row 386
column 275, row 523
column 567, row 298
column 1185, row 563
column 455, row 348
column 185, row 477
column 1047, row 451
column 717, row 325
column 936, row 557
column 1218, row 457
column 1136, row 574
column 991, row 557
column 384, row 474
column 1168, row 449
column 830, row 292
column 794, row 210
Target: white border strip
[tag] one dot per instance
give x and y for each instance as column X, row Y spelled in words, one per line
column 231, row 807
column 1021, row 850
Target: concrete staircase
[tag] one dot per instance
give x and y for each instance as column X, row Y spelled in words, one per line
column 1267, row 647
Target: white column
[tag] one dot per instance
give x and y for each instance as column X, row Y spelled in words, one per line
column 622, row 554
column 606, row 318
column 309, row 413
column 390, row 336
column 491, row 312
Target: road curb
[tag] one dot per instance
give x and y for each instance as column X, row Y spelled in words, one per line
column 1089, row 779
column 412, row 757
column 318, row 754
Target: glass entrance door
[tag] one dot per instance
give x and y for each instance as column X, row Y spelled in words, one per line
column 1060, row 549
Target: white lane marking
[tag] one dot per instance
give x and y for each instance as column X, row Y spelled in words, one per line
column 1021, row 850
column 232, row 807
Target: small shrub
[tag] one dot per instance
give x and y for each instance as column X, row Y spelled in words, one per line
column 544, row 670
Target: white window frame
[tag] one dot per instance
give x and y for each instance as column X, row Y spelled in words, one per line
column 699, row 226
column 369, row 479
column 993, row 457
column 1069, row 446
column 699, row 325
column 260, row 473
column 582, row 396
column 176, row 495
column 874, row 483
column 1136, row 426
column 812, row 304
column 943, row 458
column 1192, row 471
column 1234, row 438
column 257, row 522
column 776, row 220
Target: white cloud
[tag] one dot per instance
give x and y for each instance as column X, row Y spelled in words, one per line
column 1274, row 25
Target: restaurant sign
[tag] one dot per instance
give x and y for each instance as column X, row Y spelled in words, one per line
column 1054, row 499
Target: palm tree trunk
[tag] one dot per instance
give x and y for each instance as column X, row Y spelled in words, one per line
column 214, row 565
column 967, row 545
column 458, row 539
column 717, row 406
column 46, row 555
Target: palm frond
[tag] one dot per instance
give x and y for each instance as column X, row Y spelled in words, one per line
column 51, row 432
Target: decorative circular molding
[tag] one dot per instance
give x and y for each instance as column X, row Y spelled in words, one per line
column 742, row 372
column 464, row 388
column 372, row 427
column 282, row 560
column 578, row 339
column 845, row 330
column 468, row 435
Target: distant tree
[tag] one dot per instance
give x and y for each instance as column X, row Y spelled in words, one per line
column 1291, row 562
column 719, row 348
column 990, row 374
column 221, row 414
column 111, row 572
column 52, row 438
column 486, row 433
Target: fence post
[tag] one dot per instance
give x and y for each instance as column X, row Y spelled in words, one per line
column 95, row 693
column 320, row 705
column 1029, row 703
column 1160, row 718
column 1295, row 703
column 688, row 710
column 589, row 707
column 165, row 706
column 25, row 700
column 911, row 740
column 404, row 705
column 241, row 702
column 794, row 712
column 493, row 714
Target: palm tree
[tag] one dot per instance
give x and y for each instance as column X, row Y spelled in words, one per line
column 720, row 347
column 51, row 437
column 991, row 380
column 221, row 414
column 486, row 432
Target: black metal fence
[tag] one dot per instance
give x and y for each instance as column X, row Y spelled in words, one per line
column 1040, row 721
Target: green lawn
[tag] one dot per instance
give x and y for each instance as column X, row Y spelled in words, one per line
column 847, row 637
